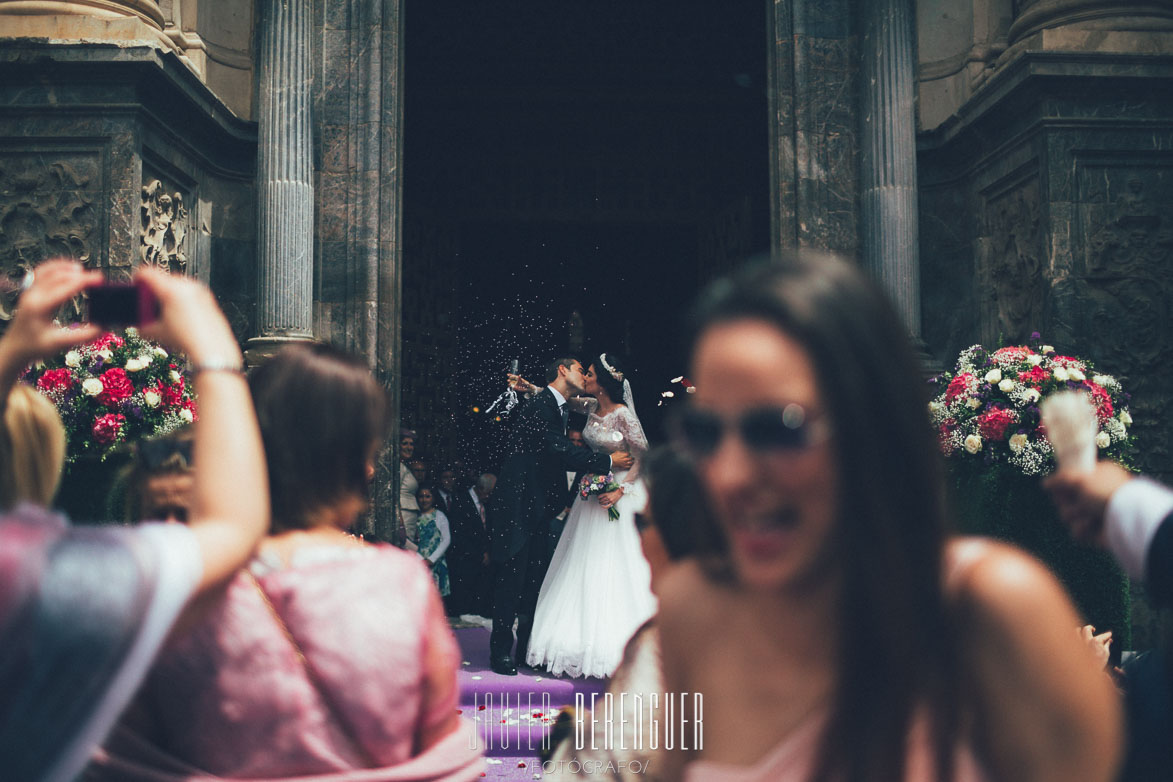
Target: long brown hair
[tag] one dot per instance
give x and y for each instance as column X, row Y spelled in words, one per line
column 321, row 414
column 896, row 656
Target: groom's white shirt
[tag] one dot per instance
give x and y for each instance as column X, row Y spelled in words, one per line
column 561, row 400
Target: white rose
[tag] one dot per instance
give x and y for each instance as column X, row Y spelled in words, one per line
column 1125, row 418
column 1103, row 440
column 131, row 331
column 1034, row 359
column 186, row 415
column 92, row 386
column 973, row 403
column 1031, row 395
column 134, row 365
column 994, row 375
column 174, row 376
column 1047, row 349
column 1017, row 442
column 106, row 355
column 145, row 359
column 1006, row 386
column 1061, row 374
column 158, row 351
column 73, row 359
column 973, row 443
column 1076, row 374
column 152, row 398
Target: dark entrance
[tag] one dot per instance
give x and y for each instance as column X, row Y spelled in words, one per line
column 573, row 173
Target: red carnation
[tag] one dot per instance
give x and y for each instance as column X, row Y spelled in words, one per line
column 55, row 380
column 959, row 385
column 1070, row 363
column 1035, row 377
column 1101, row 400
column 994, row 423
column 108, row 427
column 116, row 387
column 172, row 393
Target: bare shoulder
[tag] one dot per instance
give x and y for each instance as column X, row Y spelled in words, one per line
column 689, row 598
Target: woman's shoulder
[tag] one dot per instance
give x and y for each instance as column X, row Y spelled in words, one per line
column 689, row 596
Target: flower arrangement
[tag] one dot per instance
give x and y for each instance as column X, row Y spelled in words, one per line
column 113, row 390
column 600, row 484
column 989, row 406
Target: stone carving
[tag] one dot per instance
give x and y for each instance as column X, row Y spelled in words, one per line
column 1013, row 267
column 164, row 225
column 1133, row 241
column 46, row 210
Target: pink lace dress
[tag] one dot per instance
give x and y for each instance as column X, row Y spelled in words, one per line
column 360, row 663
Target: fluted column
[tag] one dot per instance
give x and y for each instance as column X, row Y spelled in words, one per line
column 285, row 190
column 888, row 207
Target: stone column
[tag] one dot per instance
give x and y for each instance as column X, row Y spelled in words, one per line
column 285, row 213
column 144, row 10
column 1138, row 15
column 888, row 200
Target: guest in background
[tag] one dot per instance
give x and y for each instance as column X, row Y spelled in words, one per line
column 468, row 556
column 866, row 644
column 419, row 468
column 434, row 537
column 160, row 479
column 84, row 610
column 327, row 657
column 409, row 510
column 445, row 489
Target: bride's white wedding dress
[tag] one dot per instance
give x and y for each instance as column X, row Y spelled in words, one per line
column 597, row 592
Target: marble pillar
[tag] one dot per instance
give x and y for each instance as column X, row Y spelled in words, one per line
column 285, row 213
column 888, row 201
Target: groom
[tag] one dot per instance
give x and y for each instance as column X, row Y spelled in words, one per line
column 531, row 491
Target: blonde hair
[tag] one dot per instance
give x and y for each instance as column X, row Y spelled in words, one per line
column 32, row 449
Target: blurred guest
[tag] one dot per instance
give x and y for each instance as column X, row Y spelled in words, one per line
column 419, row 468
column 83, row 611
column 468, row 557
column 1132, row 517
column 434, row 537
column 159, row 484
column 865, row 644
column 288, row 676
column 409, row 510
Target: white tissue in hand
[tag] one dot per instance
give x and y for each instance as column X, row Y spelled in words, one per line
column 1071, row 426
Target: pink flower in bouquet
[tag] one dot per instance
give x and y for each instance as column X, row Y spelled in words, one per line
column 994, row 423
column 1102, row 400
column 1035, row 377
column 960, row 385
column 108, row 427
column 116, row 387
column 190, row 406
column 55, row 380
column 1070, row 362
column 107, row 342
column 1013, row 354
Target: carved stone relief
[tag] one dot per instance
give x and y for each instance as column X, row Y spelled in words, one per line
column 164, row 228
column 47, row 210
column 1011, row 269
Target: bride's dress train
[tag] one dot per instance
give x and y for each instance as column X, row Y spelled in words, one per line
column 597, row 592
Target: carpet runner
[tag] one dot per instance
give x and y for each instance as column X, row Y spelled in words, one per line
column 511, row 713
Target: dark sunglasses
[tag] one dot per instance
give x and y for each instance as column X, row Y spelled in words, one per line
column 765, row 430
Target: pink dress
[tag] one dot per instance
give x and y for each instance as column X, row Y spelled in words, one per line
column 369, row 666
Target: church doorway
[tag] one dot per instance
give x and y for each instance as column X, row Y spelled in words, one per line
column 572, row 176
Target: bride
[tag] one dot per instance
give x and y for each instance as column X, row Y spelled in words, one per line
column 597, row 591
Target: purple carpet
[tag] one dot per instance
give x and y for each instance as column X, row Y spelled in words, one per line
column 512, row 713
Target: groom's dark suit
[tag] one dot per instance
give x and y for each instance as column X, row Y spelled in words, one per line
column 531, row 490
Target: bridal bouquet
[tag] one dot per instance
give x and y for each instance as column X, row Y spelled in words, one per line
column 988, row 407
column 600, row 484
column 113, row 390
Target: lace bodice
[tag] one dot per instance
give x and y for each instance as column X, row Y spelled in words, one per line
column 619, row 430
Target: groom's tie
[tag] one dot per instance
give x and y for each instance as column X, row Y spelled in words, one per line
column 565, row 415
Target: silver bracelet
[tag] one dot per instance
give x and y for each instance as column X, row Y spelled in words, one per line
column 218, row 364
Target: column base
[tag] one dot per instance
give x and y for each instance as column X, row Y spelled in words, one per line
column 258, row 350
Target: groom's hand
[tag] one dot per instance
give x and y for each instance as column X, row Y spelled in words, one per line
column 519, row 383
column 621, row 460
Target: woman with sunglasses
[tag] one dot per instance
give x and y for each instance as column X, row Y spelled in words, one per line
column 597, row 591
column 833, row 629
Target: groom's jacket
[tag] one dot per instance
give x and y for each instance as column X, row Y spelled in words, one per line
column 531, row 487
